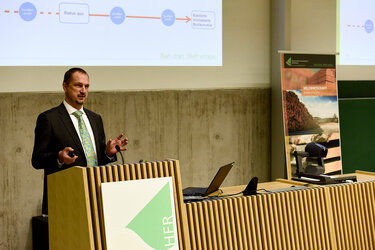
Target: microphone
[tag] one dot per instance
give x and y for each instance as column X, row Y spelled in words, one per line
column 119, row 150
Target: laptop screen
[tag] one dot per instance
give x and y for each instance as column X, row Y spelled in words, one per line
column 219, row 178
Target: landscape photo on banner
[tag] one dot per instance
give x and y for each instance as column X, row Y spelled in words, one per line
column 310, row 110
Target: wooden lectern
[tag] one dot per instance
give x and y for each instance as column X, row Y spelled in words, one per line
column 75, row 204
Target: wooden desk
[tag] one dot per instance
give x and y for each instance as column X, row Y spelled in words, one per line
column 363, row 175
column 262, row 187
column 322, row 217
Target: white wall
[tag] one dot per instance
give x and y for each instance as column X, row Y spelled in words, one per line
column 246, row 61
column 313, row 26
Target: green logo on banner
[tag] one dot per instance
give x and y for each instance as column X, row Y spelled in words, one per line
column 289, row 61
column 155, row 222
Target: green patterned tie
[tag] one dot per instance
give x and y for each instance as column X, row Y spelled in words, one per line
column 86, row 140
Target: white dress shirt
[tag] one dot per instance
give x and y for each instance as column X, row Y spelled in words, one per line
column 74, row 119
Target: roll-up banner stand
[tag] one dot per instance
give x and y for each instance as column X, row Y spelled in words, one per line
column 310, row 109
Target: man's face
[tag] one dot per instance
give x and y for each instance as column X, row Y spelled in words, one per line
column 77, row 89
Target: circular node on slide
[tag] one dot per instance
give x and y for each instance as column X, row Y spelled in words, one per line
column 168, row 17
column 117, row 15
column 27, row 11
column 369, row 26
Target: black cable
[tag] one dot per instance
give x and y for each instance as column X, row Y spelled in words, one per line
column 222, row 196
column 119, row 150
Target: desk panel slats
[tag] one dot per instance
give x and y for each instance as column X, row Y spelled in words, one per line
column 357, row 222
column 356, row 192
column 203, row 226
column 94, row 208
column 268, row 212
column 276, row 223
column 310, row 207
column 318, row 216
column 262, row 224
column 286, row 223
column 121, row 173
column 241, row 223
column 211, row 225
column 227, row 225
column 190, row 217
column 327, row 219
column 197, row 230
column 217, row 226
column 364, row 214
column 154, row 169
column 253, row 206
column 331, row 217
column 239, row 215
column 339, row 234
column 292, row 211
column 249, row 229
column 166, row 170
column 143, row 170
column 347, row 217
column 207, row 224
column 353, row 237
column 108, row 172
column 149, row 171
column 370, row 191
column 282, row 224
column 372, row 205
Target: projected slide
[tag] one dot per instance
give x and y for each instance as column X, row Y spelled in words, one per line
column 356, row 32
column 111, row 33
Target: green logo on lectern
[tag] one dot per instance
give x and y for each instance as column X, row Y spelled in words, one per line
column 155, row 222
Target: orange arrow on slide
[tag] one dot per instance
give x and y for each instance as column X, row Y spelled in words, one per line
column 147, row 17
column 102, row 15
column 187, row 19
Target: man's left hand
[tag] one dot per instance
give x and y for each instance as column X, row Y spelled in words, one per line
column 111, row 145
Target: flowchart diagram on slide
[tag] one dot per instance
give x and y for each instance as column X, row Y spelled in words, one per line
column 111, row 32
column 81, row 13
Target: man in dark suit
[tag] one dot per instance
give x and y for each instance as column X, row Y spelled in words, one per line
column 70, row 135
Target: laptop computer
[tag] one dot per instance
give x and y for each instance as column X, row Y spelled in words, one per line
column 214, row 185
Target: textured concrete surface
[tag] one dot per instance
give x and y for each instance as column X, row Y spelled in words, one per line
column 204, row 129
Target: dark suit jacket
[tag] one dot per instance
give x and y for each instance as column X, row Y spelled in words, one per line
column 53, row 132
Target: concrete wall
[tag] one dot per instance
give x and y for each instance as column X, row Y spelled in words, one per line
column 204, row 129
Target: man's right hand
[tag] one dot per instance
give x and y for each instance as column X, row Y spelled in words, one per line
column 64, row 157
